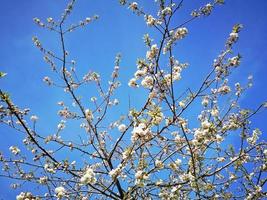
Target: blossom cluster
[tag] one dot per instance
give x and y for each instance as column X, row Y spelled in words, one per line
column 88, row 177
column 141, row 131
column 173, row 146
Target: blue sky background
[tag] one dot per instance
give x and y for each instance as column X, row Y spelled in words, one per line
column 119, row 30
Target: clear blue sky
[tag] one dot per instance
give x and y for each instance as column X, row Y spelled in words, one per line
column 118, row 30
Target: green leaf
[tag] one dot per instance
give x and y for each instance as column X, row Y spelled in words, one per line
column 219, row 1
column 2, row 74
column 5, row 96
column 237, row 28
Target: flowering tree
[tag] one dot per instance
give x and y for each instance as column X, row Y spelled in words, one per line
column 159, row 153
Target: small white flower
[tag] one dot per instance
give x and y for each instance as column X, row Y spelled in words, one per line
column 36, row 20
column 180, row 33
column 206, row 10
column 93, row 99
column 133, row 6
column 89, row 115
column 153, row 52
column 178, row 162
column 147, row 82
column 47, row 80
column 116, row 102
column 88, row 177
column 234, row 61
column 159, row 164
column 49, row 19
column 182, row 104
column 234, row 37
column 61, row 125
column 60, row 103
column 43, row 180
column 15, row 150
column 25, row 196
column 220, row 159
column 20, row 196
column 140, row 73
column 141, row 131
column 34, row 118
column 132, row 83
column 166, row 11
column 219, row 138
column 60, row 192
column 114, row 173
column 122, row 128
column 205, row 124
column 127, row 153
column 232, row 176
column 150, row 20
column 88, row 19
column 224, row 89
column 214, row 112
column 139, row 174
column 49, row 168
column 205, row 101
